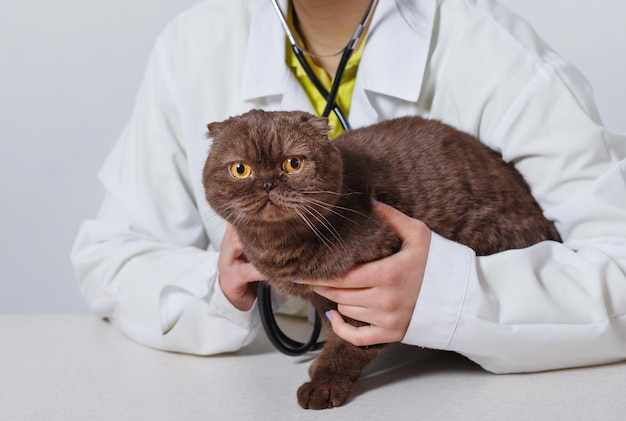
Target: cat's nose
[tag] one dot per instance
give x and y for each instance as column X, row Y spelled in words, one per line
column 268, row 187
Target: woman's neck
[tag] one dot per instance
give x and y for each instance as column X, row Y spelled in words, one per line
column 326, row 26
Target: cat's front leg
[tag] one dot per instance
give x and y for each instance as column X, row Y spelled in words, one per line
column 334, row 372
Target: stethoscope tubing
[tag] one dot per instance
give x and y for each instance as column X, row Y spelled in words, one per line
column 331, row 96
column 330, row 106
column 274, row 333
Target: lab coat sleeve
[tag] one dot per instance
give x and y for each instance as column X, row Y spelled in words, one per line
column 552, row 305
column 145, row 263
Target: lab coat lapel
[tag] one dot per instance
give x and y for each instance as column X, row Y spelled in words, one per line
column 392, row 68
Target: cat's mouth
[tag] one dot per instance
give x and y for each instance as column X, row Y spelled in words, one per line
column 271, row 211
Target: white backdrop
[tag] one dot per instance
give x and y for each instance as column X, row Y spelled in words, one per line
column 69, row 71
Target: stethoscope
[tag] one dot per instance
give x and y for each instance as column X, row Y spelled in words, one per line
column 299, row 52
column 280, row 340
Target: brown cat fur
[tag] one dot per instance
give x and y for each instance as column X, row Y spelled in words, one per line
column 319, row 222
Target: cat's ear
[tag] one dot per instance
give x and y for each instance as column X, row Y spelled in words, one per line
column 214, row 130
column 319, row 124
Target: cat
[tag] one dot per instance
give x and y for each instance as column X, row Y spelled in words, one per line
column 302, row 206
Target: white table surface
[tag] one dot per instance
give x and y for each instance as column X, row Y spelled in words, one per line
column 77, row 367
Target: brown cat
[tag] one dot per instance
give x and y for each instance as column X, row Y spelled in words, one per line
column 301, row 206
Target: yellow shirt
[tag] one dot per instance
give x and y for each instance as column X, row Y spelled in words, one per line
column 344, row 96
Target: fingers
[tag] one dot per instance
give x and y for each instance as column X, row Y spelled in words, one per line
column 360, row 336
column 382, row 293
column 355, row 278
column 231, row 247
column 347, row 297
column 408, row 229
column 236, row 275
column 232, row 255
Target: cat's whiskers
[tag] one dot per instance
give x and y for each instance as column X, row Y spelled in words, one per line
column 334, row 209
column 315, row 230
column 329, row 192
column 325, row 223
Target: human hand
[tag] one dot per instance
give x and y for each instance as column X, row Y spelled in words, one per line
column 237, row 276
column 382, row 293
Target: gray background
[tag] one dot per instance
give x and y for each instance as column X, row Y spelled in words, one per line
column 69, row 72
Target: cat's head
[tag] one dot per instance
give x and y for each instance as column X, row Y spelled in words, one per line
column 277, row 167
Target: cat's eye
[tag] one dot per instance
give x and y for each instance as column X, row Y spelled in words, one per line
column 240, row 170
column 293, row 164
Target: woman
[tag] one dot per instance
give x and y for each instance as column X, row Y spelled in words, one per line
column 166, row 271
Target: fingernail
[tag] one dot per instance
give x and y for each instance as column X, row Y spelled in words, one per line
column 329, row 316
column 297, row 281
column 374, row 202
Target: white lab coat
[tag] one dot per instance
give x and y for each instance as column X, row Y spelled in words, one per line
column 148, row 262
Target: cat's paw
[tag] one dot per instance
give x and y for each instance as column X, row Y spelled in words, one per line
column 324, row 394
